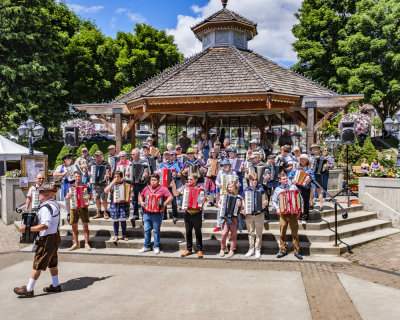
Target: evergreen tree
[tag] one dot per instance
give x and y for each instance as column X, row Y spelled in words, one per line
column 355, row 153
column 79, row 150
column 369, row 151
column 93, row 149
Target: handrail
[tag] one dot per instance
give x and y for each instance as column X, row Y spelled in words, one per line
column 336, row 204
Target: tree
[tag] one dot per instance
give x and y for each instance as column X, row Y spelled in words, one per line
column 369, row 60
column 143, row 54
column 317, row 36
column 93, row 149
column 30, row 65
column 369, row 151
column 355, row 153
column 90, row 68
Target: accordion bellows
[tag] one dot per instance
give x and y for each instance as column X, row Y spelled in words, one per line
column 78, row 197
column 192, row 198
column 122, row 193
column 289, row 202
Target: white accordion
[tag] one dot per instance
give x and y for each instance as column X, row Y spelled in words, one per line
column 122, row 193
column 254, row 201
column 35, row 200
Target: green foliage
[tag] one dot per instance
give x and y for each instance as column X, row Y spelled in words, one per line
column 377, row 123
column 330, row 127
column 352, row 46
column 143, row 54
column 369, row 151
column 31, row 80
column 79, row 150
column 355, row 153
column 64, row 150
column 394, row 142
column 93, row 149
column 127, row 147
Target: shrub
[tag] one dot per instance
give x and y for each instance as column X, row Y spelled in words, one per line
column 355, row 153
column 93, row 149
column 369, row 151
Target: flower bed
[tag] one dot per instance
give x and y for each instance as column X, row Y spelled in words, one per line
column 13, row 173
column 385, row 173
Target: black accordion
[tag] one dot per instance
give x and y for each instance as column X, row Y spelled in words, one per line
column 136, row 171
column 152, row 164
column 254, row 201
column 318, row 165
column 229, row 207
column 98, row 173
column 260, row 170
column 29, row 219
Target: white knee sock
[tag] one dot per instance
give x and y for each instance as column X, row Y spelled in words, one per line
column 31, row 285
column 55, row 281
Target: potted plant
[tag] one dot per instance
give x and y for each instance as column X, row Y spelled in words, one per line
column 13, row 173
column 353, row 184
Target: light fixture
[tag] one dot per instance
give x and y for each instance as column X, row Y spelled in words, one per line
column 23, row 130
column 38, row 131
column 30, row 123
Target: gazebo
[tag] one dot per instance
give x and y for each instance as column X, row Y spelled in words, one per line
column 225, row 83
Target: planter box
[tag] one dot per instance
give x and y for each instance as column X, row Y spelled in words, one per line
column 335, row 182
column 381, row 195
column 11, row 197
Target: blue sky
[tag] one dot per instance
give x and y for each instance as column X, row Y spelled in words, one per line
column 274, row 18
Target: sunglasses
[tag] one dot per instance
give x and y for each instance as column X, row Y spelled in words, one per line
column 40, row 178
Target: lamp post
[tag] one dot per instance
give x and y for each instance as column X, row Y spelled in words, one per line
column 31, row 131
column 333, row 143
column 394, row 127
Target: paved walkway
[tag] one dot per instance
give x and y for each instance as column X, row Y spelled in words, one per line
column 210, row 288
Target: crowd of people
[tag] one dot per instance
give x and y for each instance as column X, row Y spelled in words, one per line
column 185, row 177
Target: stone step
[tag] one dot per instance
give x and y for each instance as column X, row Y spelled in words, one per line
column 305, row 235
column 312, row 224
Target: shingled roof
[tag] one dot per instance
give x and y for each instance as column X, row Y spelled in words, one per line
column 225, row 71
column 225, row 15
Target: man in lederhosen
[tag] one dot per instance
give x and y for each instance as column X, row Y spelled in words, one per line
column 48, row 242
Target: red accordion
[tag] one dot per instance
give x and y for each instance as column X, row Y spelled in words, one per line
column 192, row 198
column 290, row 202
column 153, row 203
column 166, row 176
column 78, row 197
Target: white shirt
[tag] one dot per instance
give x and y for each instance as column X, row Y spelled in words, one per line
column 46, row 218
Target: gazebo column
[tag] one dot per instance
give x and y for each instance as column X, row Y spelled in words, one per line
column 118, row 128
column 310, row 127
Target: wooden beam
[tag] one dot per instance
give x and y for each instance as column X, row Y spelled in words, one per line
column 332, row 101
column 321, row 122
column 118, row 132
column 104, row 121
column 296, row 119
column 310, row 127
column 133, row 136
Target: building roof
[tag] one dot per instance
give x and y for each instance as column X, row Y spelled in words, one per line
column 225, row 71
column 225, row 15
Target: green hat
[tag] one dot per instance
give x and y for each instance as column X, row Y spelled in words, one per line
column 190, row 150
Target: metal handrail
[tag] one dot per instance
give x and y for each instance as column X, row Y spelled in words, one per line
column 336, row 204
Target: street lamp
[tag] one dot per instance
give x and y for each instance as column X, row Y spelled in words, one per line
column 32, row 131
column 333, row 143
column 394, row 127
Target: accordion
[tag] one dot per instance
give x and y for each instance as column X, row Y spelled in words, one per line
column 301, row 178
column 154, row 151
column 318, row 164
column 98, row 173
column 29, row 219
column 78, row 196
column 250, row 168
column 166, row 177
column 153, row 203
column 136, row 171
column 71, row 170
column 260, row 170
column 225, row 179
column 112, row 161
column 229, row 207
column 192, row 198
column 35, row 200
column 152, row 164
column 122, row 193
column 289, row 202
column 280, row 162
column 254, row 201
column 237, row 165
column 295, row 164
column 213, row 168
column 194, row 169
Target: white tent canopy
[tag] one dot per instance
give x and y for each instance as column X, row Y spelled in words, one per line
column 10, row 151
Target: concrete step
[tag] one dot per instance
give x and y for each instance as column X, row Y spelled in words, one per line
column 305, row 235
column 312, row 224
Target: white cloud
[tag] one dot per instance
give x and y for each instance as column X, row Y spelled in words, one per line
column 274, row 19
column 136, row 17
column 82, row 9
column 121, row 10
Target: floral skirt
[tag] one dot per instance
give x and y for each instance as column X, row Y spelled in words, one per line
column 119, row 211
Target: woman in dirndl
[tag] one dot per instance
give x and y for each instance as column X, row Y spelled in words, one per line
column 119, row 212
column 210, row 186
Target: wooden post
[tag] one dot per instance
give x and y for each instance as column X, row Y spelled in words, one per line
column 118, row 131
column 133, row 136
column 310, row 127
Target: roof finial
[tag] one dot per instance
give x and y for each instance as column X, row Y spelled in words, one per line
column 224, row 3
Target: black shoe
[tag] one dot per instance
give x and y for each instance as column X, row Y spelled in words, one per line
column 69, row 218
column 311, row 207
column 298, row 256
column 135, row 217
column 174, row 220
column 281, row 254
column 212, row 204
column 133, row 222
column 321, row 209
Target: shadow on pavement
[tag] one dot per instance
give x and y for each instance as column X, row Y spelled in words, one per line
column 81, row 283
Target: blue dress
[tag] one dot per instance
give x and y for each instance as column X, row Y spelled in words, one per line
column 119, row 211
